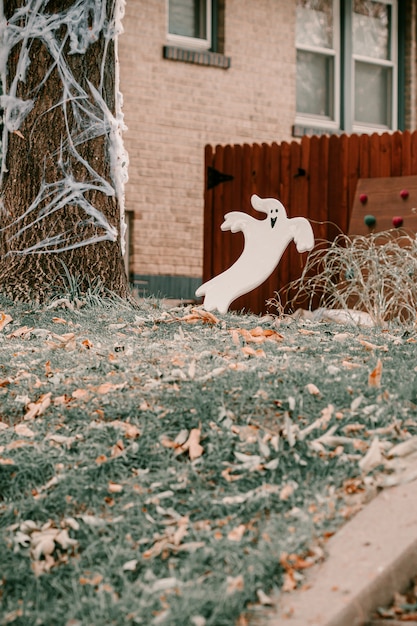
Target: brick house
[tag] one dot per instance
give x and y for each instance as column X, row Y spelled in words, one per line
column 197, row 72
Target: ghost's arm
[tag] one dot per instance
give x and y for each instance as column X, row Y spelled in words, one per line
column 302, row 233
column 237, row 221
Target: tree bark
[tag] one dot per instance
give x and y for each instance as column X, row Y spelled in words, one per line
column 59, row 193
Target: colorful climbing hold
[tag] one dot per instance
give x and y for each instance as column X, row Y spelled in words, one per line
column 363, row 198
column 404, row 194
column 397, row 221
column 370, row 220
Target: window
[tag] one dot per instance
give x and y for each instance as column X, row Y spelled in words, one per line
column 318, row 61
column 347, row 64
column 189, row 23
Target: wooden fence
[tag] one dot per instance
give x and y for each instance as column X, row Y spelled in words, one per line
column 314, row 178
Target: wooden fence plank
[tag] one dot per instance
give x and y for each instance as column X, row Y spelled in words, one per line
column 374, row 155
column 335, row 186
column 284, row 268
column 414, row 153
column 396, row 167
column 385, row 153
column 352, row 171
column 364, row 151
column 406, row 152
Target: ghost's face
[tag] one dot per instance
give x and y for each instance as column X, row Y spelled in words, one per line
column 273, row 215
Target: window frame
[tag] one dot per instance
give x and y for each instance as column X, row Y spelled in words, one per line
column 193, row 43
column 351, row 125
column 321, row 121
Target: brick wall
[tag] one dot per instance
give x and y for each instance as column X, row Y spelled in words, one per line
column 172, row 109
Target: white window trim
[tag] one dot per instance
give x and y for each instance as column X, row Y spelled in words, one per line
column 192, row 43
column 322, row 121
column 392, row 63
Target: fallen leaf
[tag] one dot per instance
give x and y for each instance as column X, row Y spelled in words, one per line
column 234, row 584
column 286, row 492
column 237, row 533
column 374, row 378
column 87, row 344
column 5, row 319
column 117, row 449
column 130, row 430
column 372, row 458
column 367, row 345
column 4, row 461
column 94, row 581
column 115, row 487
column 59, row 320
column 107, row 387
column 23, row 430
column 255, row 335
column 199, row 315
column 195, row 450
column 312, row 389
column 20, row 332
column 37, row 408
column 263, row 598
column 80, row 394
column 289, row 581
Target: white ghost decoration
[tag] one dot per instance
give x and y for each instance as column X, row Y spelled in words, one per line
column 265, row 243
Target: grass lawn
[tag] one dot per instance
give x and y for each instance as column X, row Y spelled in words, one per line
column 158, row 466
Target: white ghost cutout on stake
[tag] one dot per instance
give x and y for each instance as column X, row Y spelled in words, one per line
column 265, row 243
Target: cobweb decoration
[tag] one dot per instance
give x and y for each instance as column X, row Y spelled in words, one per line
column 85, row 22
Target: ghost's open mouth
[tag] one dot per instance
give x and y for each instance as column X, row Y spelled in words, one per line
column 273, row 220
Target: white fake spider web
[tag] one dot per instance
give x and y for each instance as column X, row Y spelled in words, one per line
column 86, row 114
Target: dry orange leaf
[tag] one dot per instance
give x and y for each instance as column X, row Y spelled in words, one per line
column 4, row 461
column 107, row 387
column 101, row 459
column 289, row 581
column 256, row 335
column 87, row 344
column 374, row 378
column 237, row 533
column 193, row 444
column 130, row 430
column 59, row 320
column 249, row 351
column 37, row 408
column 23, row 430
column 5, row 319
column 235, row 584
column 199, row 315
column 80, row 394
column 94, row 581
column 117, row 449
column 115, row 487
column 312, row 389
column 20, row 332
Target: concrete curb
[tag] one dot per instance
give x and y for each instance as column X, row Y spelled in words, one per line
column 369, row 559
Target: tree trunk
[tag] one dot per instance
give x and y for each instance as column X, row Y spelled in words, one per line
column 63, row 168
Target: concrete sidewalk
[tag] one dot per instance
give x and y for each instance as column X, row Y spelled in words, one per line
column 369, row 559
